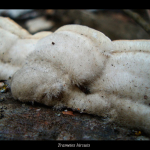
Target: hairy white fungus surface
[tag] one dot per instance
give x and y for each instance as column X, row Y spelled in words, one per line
column 15, row 44
column 80, row 68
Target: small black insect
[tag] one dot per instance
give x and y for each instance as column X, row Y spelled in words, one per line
column 53, row 43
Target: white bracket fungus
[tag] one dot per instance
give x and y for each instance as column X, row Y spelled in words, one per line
column 80, row 68
column 15, row 44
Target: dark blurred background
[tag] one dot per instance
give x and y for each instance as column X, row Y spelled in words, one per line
column 116, row 24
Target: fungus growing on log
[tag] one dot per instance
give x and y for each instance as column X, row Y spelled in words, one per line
column 80, row 68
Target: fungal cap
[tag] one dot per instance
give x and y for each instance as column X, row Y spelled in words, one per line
column 131, row 45
column 93, row 34
column 15, row 44
column 11, row 26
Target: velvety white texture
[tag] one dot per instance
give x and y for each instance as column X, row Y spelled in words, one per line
column 76, row 58
column 15, row 44
column 79, row 68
